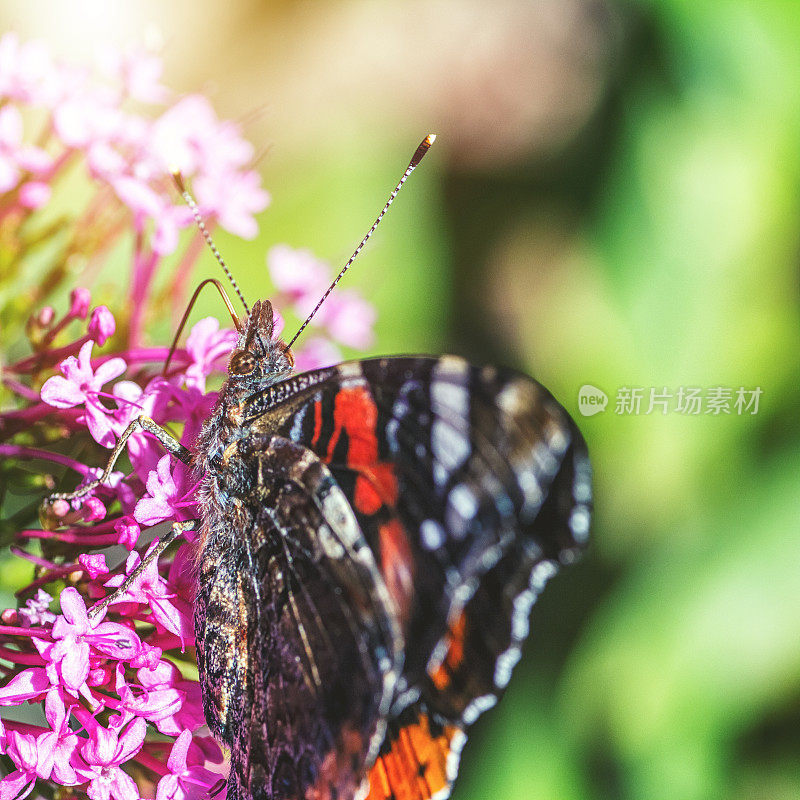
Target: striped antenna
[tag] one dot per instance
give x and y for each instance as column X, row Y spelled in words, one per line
column 189, row 200
column 416, row 158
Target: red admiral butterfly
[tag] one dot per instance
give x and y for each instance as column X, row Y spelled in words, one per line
column 372, row 539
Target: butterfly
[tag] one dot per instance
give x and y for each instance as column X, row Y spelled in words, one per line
column 371, row 540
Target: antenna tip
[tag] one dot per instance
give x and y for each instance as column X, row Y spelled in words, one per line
column 178, row 178
column 422, row 149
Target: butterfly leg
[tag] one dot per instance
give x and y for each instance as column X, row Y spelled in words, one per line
column 170, row 444
column 174, row 532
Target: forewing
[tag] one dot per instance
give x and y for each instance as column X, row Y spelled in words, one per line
column 471, row 486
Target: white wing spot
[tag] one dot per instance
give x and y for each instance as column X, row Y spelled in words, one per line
column 558, row 441
column 450, row 445
column 439, row 474
column 297, row 425
column 462, row 507
column 579, row 523
column 454, row 756
column 477, row 707
column 519, row 617
column 392, row 428
column 336, row 510
column 542, row 573
column 433, row 534
column 506, row 662
column 351, row 373
column 531, row 491
column 332, row 547
column 450, row 405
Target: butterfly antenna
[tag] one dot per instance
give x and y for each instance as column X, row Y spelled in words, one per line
column 189, row 200
column 416, row 158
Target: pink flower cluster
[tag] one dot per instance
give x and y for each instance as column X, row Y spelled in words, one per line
column 74, row 114
column 121, row 712
column 131, row 153
column 107, row 680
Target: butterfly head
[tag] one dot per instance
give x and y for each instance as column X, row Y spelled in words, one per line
column 258, row 358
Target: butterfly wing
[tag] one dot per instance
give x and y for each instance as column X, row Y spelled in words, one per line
column 297, row 648
column 418, row 759
column 471, row 486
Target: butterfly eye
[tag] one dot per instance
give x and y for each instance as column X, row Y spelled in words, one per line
column 242, row 363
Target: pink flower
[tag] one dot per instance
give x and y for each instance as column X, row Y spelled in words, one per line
column 93, row 509
column 24, row 754
column 154, row 705
column 297, row 273
column 206, row 345
column 303, row 279
column 76, row 637
column 132, row 402
column 101, row 325
column 37, row 610
column 26, row 70
column 233, row 198
column 87, row 113
column 34, row 194
column 184, row 782
column 94, row 564
column 111, row 667
column 81, row 384
column 16, row 158
column 349, row 319
column 171, row 611
column 103, row 754
column 165, row 675
column 139, row 73
column 57, row 746
column 168, row 488
column 79, row 301
column 128, row 530
column 190, row 137
column 147, row 204
column 193, row 407
column 45, row 316
column 25, row 685
column 317, row 351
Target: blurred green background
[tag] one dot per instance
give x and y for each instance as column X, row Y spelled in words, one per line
column 614, row 199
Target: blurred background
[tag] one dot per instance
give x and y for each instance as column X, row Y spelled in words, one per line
column 613, row 200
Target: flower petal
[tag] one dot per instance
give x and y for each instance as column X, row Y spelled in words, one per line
column 74, row 609
column 131, row 741
column 123, row 786
column 150, row 511
column 75, row 666
column 99, row 423
column 28, row 684
column 177, row 758
column 16, row 785
column 62, row 393
column 54, row 709
column 108, row 370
